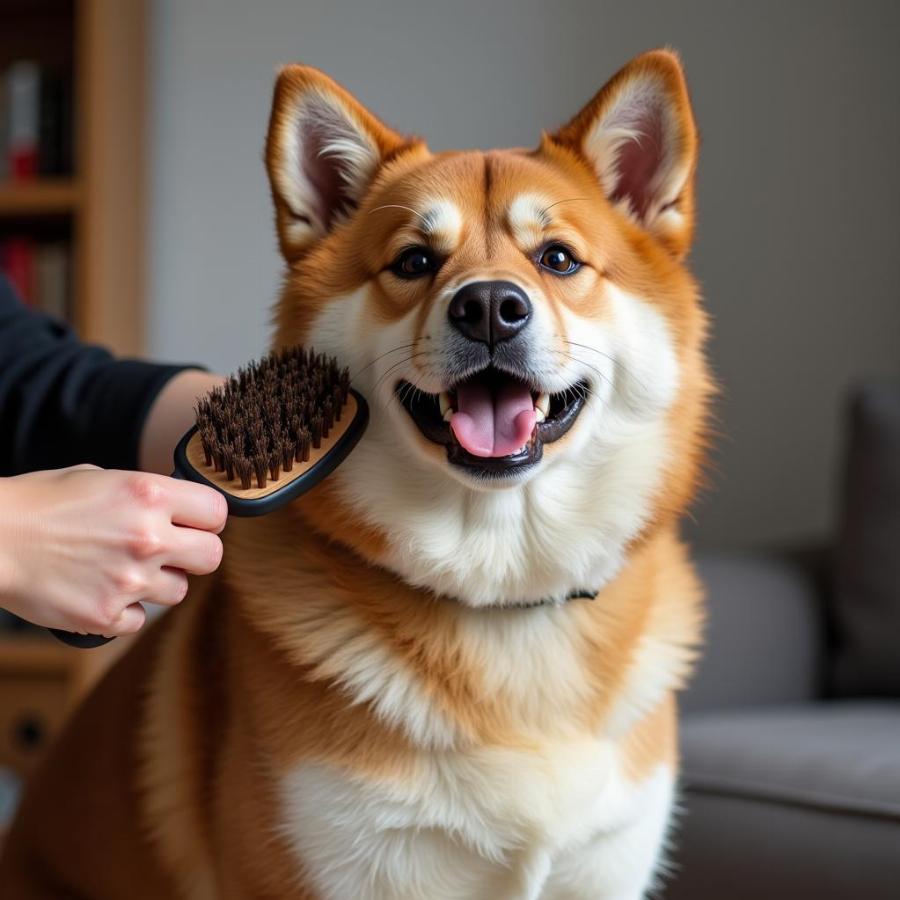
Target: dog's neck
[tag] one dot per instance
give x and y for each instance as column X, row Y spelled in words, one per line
column 355, row 557
column 448, row 673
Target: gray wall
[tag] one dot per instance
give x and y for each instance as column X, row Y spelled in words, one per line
column 799, row 202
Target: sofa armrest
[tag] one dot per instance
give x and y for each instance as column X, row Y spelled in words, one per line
column 765, row 636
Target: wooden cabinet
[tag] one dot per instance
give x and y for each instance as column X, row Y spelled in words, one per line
column 41, row 682
column 36, row 687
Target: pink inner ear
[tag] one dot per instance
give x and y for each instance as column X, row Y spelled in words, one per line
column 325, row 172
column 638, row 161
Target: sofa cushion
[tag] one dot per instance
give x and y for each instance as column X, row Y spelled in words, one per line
column 739, row 848
column 789, row 802
column 764, row 640
column 843, row 756
column 867, row 587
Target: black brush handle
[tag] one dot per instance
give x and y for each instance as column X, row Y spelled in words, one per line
column 81, row 641
column 87, row 641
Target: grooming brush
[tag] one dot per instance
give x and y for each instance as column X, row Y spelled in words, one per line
column 272, row 432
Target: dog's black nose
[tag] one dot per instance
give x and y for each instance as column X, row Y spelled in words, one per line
column 490, row 311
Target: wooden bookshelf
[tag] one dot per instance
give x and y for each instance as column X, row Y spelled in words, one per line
column 100, row 209
column 42, row 197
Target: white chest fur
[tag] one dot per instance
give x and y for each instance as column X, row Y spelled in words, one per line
column 487, row 824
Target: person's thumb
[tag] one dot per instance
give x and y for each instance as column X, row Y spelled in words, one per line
column 131, row 620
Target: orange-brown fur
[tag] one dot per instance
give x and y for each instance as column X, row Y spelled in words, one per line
column 167, row 779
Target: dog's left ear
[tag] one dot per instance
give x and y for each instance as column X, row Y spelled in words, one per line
column 323, row 150
column 639, row 137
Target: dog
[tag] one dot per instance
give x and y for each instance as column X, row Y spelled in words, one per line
column 449, row 671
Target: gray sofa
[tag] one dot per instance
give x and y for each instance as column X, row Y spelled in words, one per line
column 791, row 728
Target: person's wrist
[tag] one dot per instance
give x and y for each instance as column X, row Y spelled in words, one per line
column 7, row 543
column 170, row 416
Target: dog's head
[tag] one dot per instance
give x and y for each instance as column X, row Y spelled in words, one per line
column 521, row 322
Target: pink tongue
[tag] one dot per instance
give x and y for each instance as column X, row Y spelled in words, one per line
column 489, row 424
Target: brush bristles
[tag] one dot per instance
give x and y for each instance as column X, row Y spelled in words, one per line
column 265, row 418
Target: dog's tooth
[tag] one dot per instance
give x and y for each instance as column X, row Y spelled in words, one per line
column 542, row 404
column 448, row 415
column 539, row 415
column 446, row 406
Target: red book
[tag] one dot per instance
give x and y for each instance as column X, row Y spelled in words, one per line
column 19, row 264
column 23, row 163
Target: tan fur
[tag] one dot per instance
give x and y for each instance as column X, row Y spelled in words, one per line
column 166, row 783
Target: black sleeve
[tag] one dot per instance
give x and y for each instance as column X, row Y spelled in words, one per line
column 63, row 402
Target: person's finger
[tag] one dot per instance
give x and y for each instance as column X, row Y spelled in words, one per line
column 197, row 506
column 197, row 552
column 131, row 620
column 168, row 587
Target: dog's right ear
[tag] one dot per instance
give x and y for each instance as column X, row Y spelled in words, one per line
column 322, row 152
column 639, row 137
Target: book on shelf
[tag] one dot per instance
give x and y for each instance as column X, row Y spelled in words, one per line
column 39, row 271
column 35, row 121
column 16, row 261
column 23, row 87
column 4, row 128
column 51, row 278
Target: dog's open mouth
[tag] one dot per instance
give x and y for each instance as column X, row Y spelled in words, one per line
column 492, row 422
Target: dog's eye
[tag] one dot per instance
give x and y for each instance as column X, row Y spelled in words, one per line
column 414, row 263
column 559, row 260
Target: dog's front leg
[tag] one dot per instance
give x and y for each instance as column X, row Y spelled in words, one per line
column 620, row 864
column 528, row 871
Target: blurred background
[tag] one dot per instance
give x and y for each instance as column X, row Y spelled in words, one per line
column 133, row 198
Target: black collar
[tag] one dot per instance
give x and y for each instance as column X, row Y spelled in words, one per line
column 577, row 594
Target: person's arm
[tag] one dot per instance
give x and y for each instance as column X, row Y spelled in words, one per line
column 64, row 403
column 170, row 416
column 82, row 547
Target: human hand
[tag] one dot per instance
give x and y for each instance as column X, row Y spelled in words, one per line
column 81, row 548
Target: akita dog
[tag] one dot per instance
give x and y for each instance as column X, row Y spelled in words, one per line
column 450, row 670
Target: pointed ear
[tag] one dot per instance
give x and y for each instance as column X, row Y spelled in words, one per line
column 639, row 137
column 322, row 152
